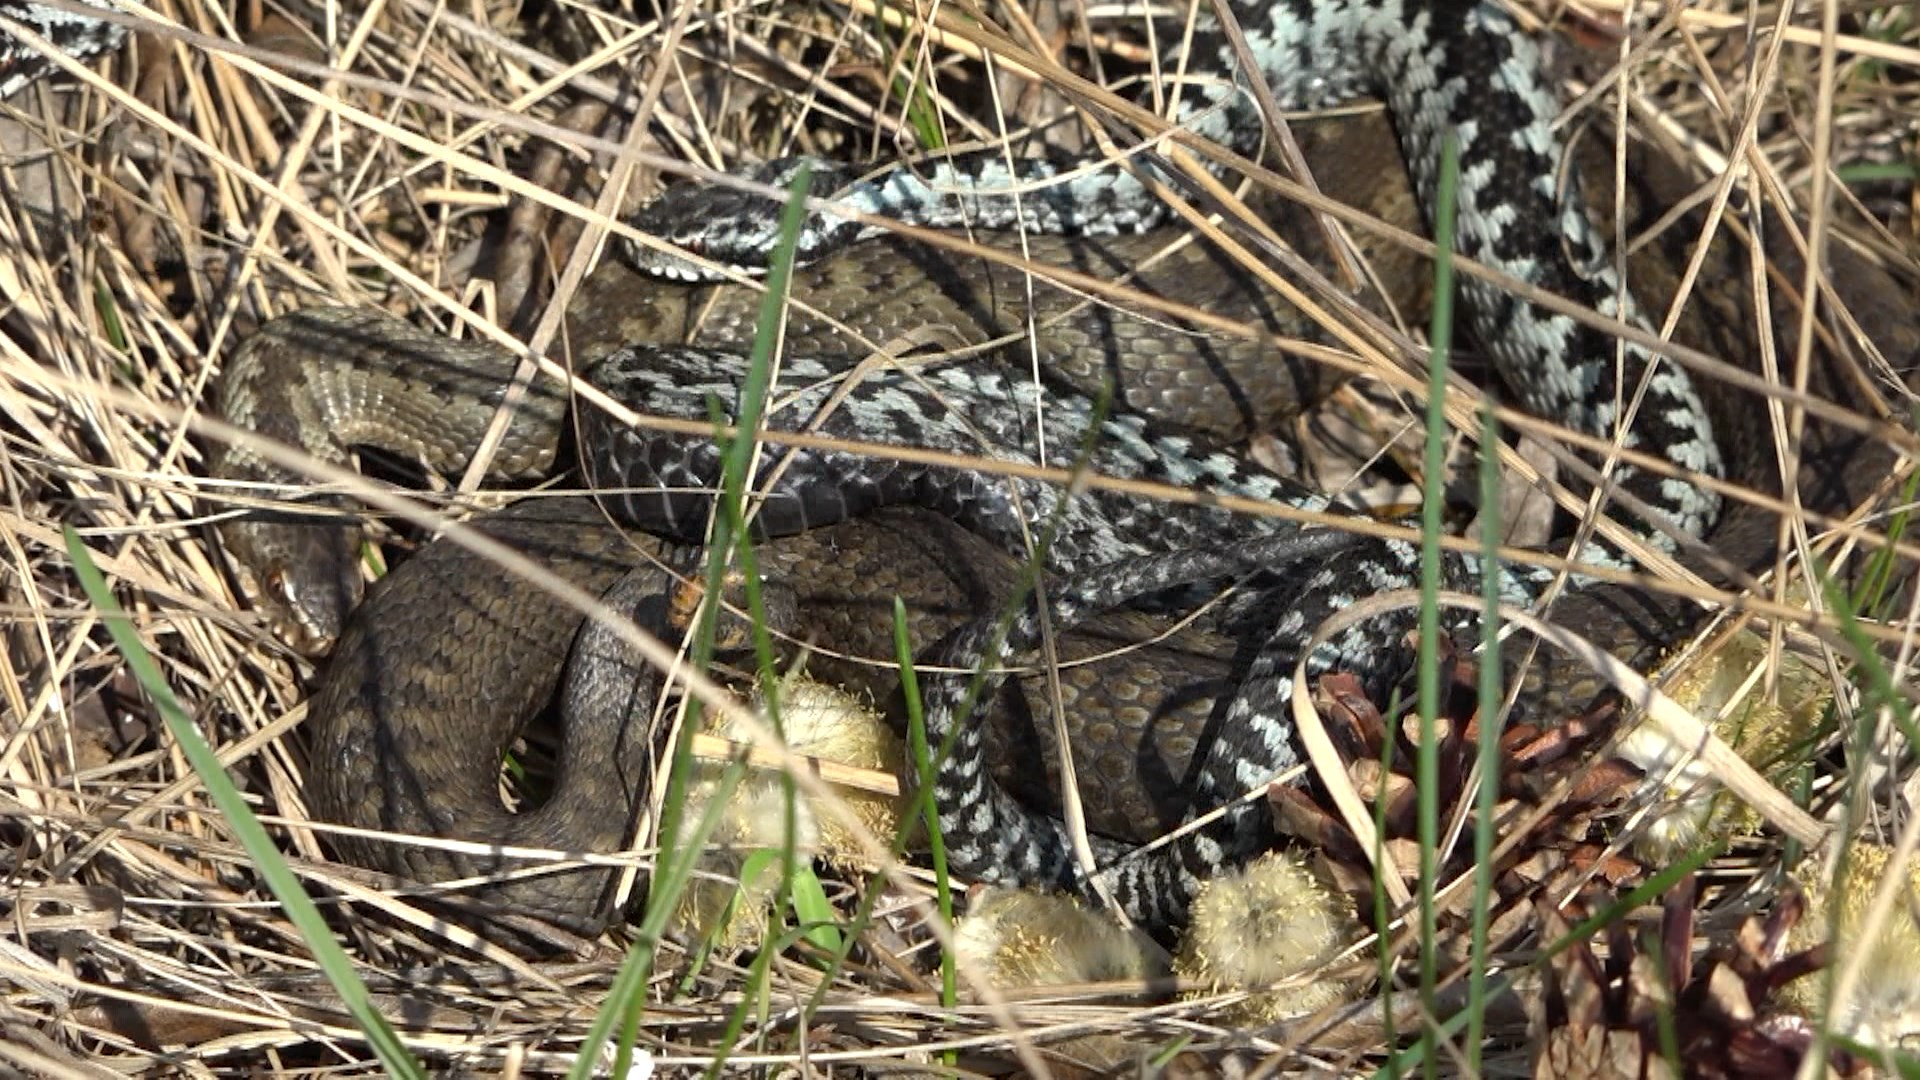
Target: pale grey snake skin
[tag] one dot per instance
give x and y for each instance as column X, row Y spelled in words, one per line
column 1457, row 66
column 1442, row 66
column 76, row 35
column 659, row 483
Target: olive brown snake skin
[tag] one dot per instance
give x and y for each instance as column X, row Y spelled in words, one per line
column 1550, row 363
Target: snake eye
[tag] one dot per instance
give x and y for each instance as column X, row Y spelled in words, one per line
column 279, row 585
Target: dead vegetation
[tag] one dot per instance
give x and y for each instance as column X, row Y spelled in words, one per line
column 221, row 174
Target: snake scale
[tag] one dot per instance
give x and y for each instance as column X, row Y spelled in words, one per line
column 1443, row 67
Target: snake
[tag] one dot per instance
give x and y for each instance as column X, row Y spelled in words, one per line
column 1462, row 82
column 325, row 380
column 76, row 35
column 449, row 659
column 430, row 681
column 1453, row 74
column 333, row 362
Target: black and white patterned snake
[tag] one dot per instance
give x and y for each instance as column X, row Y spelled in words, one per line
column 1443, row 67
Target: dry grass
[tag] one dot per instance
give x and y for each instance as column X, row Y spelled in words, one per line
column 221, row 191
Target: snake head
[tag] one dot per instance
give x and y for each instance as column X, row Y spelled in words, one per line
column 732, row 632
column 303, row 577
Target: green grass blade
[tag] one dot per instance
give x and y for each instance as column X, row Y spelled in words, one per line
column 1491, row 697
column 627, row 1001
column 266, row 857
column 911, row 814
column 923, row 807
column 1433, row 503
column 815, row 915
column 1884, row 567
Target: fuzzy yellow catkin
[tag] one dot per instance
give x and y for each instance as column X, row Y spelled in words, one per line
column 1771, row 733
column 819, row 721
column 1264, row 924
column 1019, row 938
column 1884, row 1008
column 831, row 724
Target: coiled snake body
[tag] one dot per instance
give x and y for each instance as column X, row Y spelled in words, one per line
column 450, row 658
column 1558, row 369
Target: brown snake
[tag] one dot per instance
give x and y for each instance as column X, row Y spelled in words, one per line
column 395, row 745
column 448, row 636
